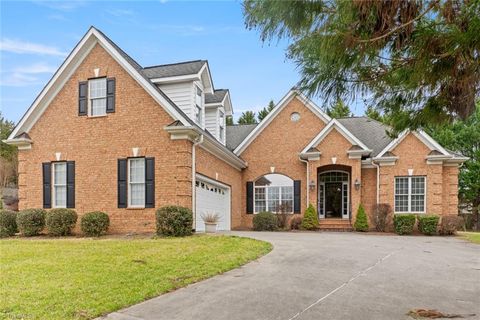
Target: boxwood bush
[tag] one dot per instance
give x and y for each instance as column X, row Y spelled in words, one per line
column 60, row 222
column 94, row 224
column 265, row 221
column 310, row 219
column 361, row 222
column 428, row 224
column 31, row 222
column 404, row 223
column 8, row 225
column 174, row 221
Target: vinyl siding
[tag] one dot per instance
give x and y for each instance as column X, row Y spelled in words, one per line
column 182, row 95
column 211, row 121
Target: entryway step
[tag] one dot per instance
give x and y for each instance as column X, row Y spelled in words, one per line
column 335, row 225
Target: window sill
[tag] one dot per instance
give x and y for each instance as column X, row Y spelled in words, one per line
column 99, row 116
column 135, row 208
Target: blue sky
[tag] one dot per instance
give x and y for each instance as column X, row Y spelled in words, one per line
column 36, row 36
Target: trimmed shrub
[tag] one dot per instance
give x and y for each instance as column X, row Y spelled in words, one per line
column 60, row 222
column 381, row 214
column 428, row 224
column 296, row 223
column 361, row 222
column 449, row 225
column 31, row 222
column 8, row 225
column 174, row 221
column 94, row 224
column 265, row 221
column 310, row 218
column 403, row 223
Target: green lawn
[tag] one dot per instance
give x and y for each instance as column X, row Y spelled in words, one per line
column 80, row 278
column 471, row 236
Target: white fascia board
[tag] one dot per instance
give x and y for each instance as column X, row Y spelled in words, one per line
column 69, row 66
column 422, row 136
column 271, row 115
column 175, row 79
column 206, row 78
column 335, row 124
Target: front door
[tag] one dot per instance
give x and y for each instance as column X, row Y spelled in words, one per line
column 333, row 195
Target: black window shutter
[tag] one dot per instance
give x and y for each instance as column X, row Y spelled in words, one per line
column 70, row 184
column 249, row 197
column 122, row 183
column 110, row 95
column 47, row 184
column 149, row 182
column 297, row 196
column 82, row 98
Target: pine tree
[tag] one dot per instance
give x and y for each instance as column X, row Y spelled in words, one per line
column 310, row 219
column 361, row 222
column 247, row 117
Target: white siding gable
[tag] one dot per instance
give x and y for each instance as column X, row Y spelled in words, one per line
column 182, row 95
column 211, row 123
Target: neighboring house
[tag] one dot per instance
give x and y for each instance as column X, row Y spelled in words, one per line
column 107, row 134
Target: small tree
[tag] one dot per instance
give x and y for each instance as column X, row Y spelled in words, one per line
column 247, row 117
column 361, row 222
column 265, row 111
column 310, row 219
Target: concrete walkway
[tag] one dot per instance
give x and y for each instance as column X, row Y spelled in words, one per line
column 332, row 276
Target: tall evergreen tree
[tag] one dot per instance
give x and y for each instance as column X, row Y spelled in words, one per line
column 339, row 110
column 265, row 111
column 416, row 58
column 247, row 117
column 229, row 121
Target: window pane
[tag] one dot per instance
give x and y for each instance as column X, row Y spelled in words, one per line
column 137, row 194
column 287, row 193
column 60, row 196
column 60, row 173
column 418, row 185
column 98, row 88
column 401, row 185
column 418, row 203
column 401, row 203
column 99, row 107
column 137, row 170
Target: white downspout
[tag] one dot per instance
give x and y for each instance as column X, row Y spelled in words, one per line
column 195, row 143
column 308, row 179
column 378, row 181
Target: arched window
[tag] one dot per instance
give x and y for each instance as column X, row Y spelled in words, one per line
column 274, row 193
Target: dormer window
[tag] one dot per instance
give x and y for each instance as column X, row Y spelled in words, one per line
column 198, row 114
column 98, row 96
column 221, row 121
column 198, row 104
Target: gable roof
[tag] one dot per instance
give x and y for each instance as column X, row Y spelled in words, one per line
column 335, row 124
column 293, row 93
column 237, row 133
column 371, row 132
column 216, row 97
column 174, row 69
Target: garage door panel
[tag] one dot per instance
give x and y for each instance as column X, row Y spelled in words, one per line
column 212, row 198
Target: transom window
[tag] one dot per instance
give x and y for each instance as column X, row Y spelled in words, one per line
column 98, row 96
column 273, row 193
column 410, row 194
column 136, row 182
column 59, row 185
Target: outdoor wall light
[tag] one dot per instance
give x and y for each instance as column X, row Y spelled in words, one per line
column 357, row 184
column 312, row 185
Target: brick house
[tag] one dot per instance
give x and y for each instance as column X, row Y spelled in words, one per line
column 108, row 134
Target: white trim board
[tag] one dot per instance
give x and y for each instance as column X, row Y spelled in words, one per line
column 69, row 66
column 279, row 107
column 335, row 124
column 421, row 135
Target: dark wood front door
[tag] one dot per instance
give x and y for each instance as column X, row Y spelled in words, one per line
column 333, row 200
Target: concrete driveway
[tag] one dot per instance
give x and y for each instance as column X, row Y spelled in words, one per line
column 332, row 276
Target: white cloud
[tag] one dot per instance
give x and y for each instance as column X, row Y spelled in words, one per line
column 23, row 47
column 121, row 12
column 61, row 5
column 26, row 75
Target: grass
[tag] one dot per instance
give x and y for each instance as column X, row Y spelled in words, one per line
column 471, row 236
column 73, row 278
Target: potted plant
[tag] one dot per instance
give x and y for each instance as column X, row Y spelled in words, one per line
column 211, row 220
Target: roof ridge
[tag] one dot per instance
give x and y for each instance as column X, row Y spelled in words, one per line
column 175, row 63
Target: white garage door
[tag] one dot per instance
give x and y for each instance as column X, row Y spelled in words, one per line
column 210, row 197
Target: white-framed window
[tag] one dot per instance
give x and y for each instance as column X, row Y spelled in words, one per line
column 136, row 182
column 97, row 91
column 59, row 172
column 221, row 121
column 410, row 194
column 198, row 114
column 273, row 193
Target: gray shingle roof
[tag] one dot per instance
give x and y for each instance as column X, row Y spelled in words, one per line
column 237, row 133
column 174, row 69
column 372, row 133
column 216, row 97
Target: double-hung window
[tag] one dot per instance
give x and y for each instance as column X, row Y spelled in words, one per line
column 59, row 184
column 198, row 104
column 273, row 193
column 98, row 96
column 221, row 122
column 410, row 194
column 136, row 182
